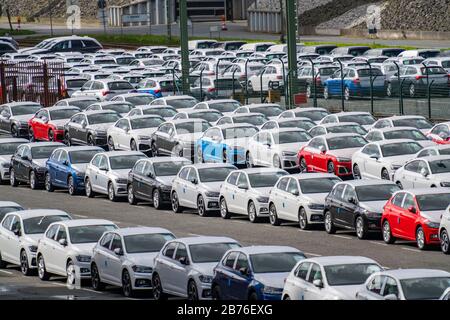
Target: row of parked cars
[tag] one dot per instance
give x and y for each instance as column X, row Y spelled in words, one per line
column 148, row 258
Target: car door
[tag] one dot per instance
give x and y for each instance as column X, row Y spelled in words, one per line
column 102, row 177
column 165, row 265
column 422, row 176
column 240, row 195
column 52, row 166
column 313, row 292
column 6, row 238
column 16, row 160
column 394, row 214
column 39, row 124
column 5, row 115
column 62, row 173
column 179, row 185
column 241, row 278
column 373, row 289
column 291, row 201
column 138, row 180
column 85, row 88
column 59, row 256
column 190, row 190
column 348, row 205
column 408, row 175
column 223, row 275
column 81, row 132
column 298, row 284
column 179, row 272
column 407, row 218
column 101, row 253
column 335, row 204
column 163, row 137
column 279, row 195
column 47, row 247
column 228, row 189
column 371, row 162
column 114, row 260
column 23, row 164
column 122, row 136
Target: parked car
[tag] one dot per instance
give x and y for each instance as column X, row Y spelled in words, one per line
column 299, row 123
column 166, row 112
column 65, row 44
column 136, row 99
column 352, row 50
column 388, row 52
column 255, row 119
column 424, row 53
column 8, row 147
column 225, row 106
column 269, row 77
column 210, row 115
column 14, row 117
column 314, row 114
column 212, row 87
column 340, row 127
column 122, row 108
column 443, row 62
column 365, row 119
column 418, row 122
column 314, row 86
column 177, row 102
column 393, row 133
column 7, row 207
column 440, row 133
column 437, row 150
column 270, row 110
column 103, row 89
column 80, row 102
column 71, row 84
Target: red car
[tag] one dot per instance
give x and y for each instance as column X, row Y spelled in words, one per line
column 415, row 215
column 331, row 153
column 48, row 123
column 440, row 133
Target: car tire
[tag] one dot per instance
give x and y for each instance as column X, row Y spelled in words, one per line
column 67, row 139
column 71, row 273
column 224, row 213
column 331, row 168
column 385, row 175
column 90, row 140
column 328, row 222
column 347, row 96
column 387, row 233
column 215, row 293
column 178, row 151
column 156, row 199
column 303, row 219
column 361, row 228
column 326, row 94
column 420, row 239
column 253, row 296
column 133, row 145
column 445, row 241
column 111, row 144
column 111, row 192
column 88, row 188
column 131, row 197
column 71, row 186
column 12, row 178
column 277, row 162
column 33, row 180
column 24, row 266
column 31, row 135
column 356, row 172
column 273, row 216
column 252, row 214
column 303, row 165
column 96, row 282
column 42, row 271
column 176, row 208
column 248, row 160
column 14, row 131
column 48, row 183
column 201, row 206
column 158, row 293
column 127, row 287
column 192, row 291
column 51, row 136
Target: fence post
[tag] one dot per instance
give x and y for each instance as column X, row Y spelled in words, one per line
column 246, row 81
column 284, row 78
column 429, row 99
column 217, row 75
column 261, row 85
column 400, row 85
column 201, row 85
column 3, row 82
column 401, row 96
column 173, row 77
column 371, row 80
column 314, row 81
column 234, row 89
column 14, row 88
column 342, row 84
column 45, row 77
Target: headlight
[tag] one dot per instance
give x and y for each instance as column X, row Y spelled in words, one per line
column 212, row 194
column 23, row 124
column 121, row 181
column 395, row 166
column 166, row 188
column 144, row 138
column 443, row 184
column 205, row 279
column 373, row 215
column 59, row 127
column 83, row 258
column 32, row 248
column 434, row 225
column 142, row 269
column 263, row 199
column 343, row 159
column 272, row 290
column 288, row 154
column 316, row 206
column 100, row 133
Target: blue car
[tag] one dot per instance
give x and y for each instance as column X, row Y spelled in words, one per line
column 150, row 86
column 66, row 167
column 225, row 143
column 254, row 273
column 356, row 83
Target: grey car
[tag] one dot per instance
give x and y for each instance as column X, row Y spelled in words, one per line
column 14, row 117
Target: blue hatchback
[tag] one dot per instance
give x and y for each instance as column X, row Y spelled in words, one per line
column 254, row 273
column 66, row 168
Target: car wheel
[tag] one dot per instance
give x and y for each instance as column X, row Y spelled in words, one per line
column 71, row 273
column 88, row 188
column 224, row 213
column 385, row 175
column 277, row 162
column 252, row 214
column 445, row 242
column 131, row 197
column 90, row 140
column 31, row 135
column 14, row 131
column 48, row 183
column 97, row 284
column 67, row 140
column 127, row 287
column 154, row 150
column 273, row 216
column 111, row 144
column 224, row 156
column 420, row 239
column 389, row 92
column 303, row 165
column 326, row 94
column 42, row 272
column 361, row 228
column 158, row 293
column 248, row 160
column 71, row 186
column 24, row 266
column 356, row 172
column 215, row 293
column 329, row 225
column 412, row 90
column 133, row 145
column 156, row 199
column 111, row 193
column 303, row 219
column 387, row 234
column 175, row 203
column 200, row 155
column 347, row 93
column 12, row 178
column 399, row 184
column 51, row 136
column 178, row 151
column 253, row 296
column 33, row 180
column 330, row 167
column 201, row 206
column 192, row 291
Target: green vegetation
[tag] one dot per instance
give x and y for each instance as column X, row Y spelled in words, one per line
column 22, row 32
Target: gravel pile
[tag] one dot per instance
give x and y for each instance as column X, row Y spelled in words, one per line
column 351, row 18
column 303, row 5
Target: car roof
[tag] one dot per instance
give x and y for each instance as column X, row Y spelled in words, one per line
column 85, row 222
column 62, row 108
column 336, row 260
column 425, row 191
column 204, row 240
column 389, row 129
column 233, row 125
column 134, row 94
column 386, row 142
column 211, row 165
column 337, row 135
column 109, row 103
column 312, row 175
column 404, row 117
column 216, row 101
column 266, row 249
column 25, row 214
column 145, row 116
column 43, row 144
column 122, row 153
column 281, row 120
column 350, row 113
column 278, row 130
column 436, row 158
column 338, row 124
column 186, row 120
column 307, row 109
column 21, row 103
column 9, row 204
column 89, row 112
column 168, row 98
column 11, row 140
column 140, row 230
column 260, row 170
column 360, row 182
column 164, row 159
column 153, row 106
column 237, row 115
column 80, row 148
column 415, row 273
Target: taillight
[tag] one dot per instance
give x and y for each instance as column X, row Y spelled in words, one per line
column 211, row 89
column 279, row 77
column 356, row 81
column 105, row 92
column 420, row 77
column 157, row 91
column 318, row 80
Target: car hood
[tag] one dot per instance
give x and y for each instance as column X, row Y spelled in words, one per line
column 190, row 137
column 373, row 206
column 22, row 118
column 426, row 143
column 212, row 186
column 346, row 153
column 205, row 268
column 100, row 126
column 275, row 280
column 142, row 259
column 122, row 173
column 84, row 248
column 32, row 50
column 399, row 160
column 81, row 167
column 293, row 147
column 40, row 162
column 262, row 191
column 5, row 158
column 433, row 216
column 145, row 131
column 167, row 181
column 344, row 292
column 33, row 239
column 59, row 123
column 318, row 198
column 238, row 142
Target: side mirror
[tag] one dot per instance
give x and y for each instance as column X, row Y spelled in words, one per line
column 412, row 209
column 352, row 200
column 243, row 186
column 118, row 251
column 244, row 271
column 83, row 125
column 391, row 297
column 45, row 119
column 82, row 89
column 268, row 145
column 374, row 156
column 194, row 181
column 322, row 149
column 17, row 232
column 25, row 157
column 103, row 169
column 184, row 261
column 63, row 242
column 151, row 175
column 296, row 193
column 424, row 172
column 65, row 162
column 318, row 283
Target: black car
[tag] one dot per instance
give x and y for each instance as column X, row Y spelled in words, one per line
column 89, row 128
column 151, row 180
column 357, row 205
column 28, row 163
column 66, row 44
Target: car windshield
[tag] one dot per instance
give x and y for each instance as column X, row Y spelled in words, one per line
column 214, row 174
column 5, row 210
column 291, row 137
column 63, row 114
column 169, row 168
column 38, row 225
column 75, row 83
column 424, row 288
column 142, row 123
column 349, row 274
column 301, row 124
column 163, row 112
column 142, row 243
column 327, row 71
column 375, row 72
column 124, row 162
column 119, row 108
column 82, row 104
column 139, row 100
column 9, row 148
column 433, row 202
column 265, row 179
column 120, row 85
column 351, row 128
column 275, row 262
column 82, row 156
column 376, row 192
column 269, row 111
column 405, row 134
column 88, row 234
column 182, row 103
column 362, row 119
column 208, row 116
column 192, row 127
column 314, row 115
column 444, row 151
column 225, row 106
column 346, row 142
column 24, row 109
column 42, row 152
column 399, row 149
column 321, row 185
column 242, row 132
column 256, row 120
column 210, row 252
column 433, row 70
column 103, row 118
column 416, row 123
column 440, row 166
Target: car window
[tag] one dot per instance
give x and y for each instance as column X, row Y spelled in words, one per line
column 139, row 167
column 337, row 192
column 106, row 240
column 412, row 166
column 408, row 201
column 15, row 224
column 170, row 250
column 7, row 222
column 242, row 181
column 376, row 284
column 282, row 184
column 51, row 232
column 103, row 162
column 181, row 252
column 116, row 243
column 229, row 260
column 192, row 175
column 398, row 199
column 390, row 287
column 302, row 270
column 232, row 179
column 55, row 155
column 61, row 234
column 349, row 193
column 241, row 262
column 315, row 273
column 293, row 186
column 63, row 158
column 423, row 167
column 183, row 173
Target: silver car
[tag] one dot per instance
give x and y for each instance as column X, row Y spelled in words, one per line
column 8, row 147
column 399, row 133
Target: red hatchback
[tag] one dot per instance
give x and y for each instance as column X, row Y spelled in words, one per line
column 331, row 153
column 48, row 123
column 440, row 133
column 415, row 215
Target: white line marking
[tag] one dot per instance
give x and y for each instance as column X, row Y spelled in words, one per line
column 343, row 237
column 7, row 272
column 413, row 250
column 312, row 254
column 379, row 243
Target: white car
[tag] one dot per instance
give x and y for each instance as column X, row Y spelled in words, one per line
column 272, row 78
column 197, row 187
column 66, row 248
column 256, row 119
column 246, row 192
column 225, row 106
column 329, row 278
column 301, row 198
column 405, row 284
column 418, row 122
column 184, row 267
column 436, row 150
column 107, row 173
column 380, row 160
column 124, row 258
column 210, row 115
column 276, row 148
column 8, row 147
column 7, row 207
column 341, row 127
column 427, row 172
column 122, row 108
column 440, row 133
column 399, row 133
column 270, row 110
column 103, row 89
column 178, row 102
column 365, row 119
column 444, row 231
column 20, row 232
column 136, row 99
column 299, row 123
column 133, row 133
column 166, row 112
column 314, row 114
